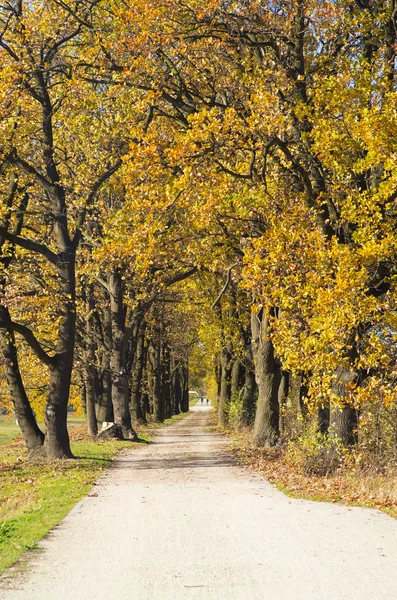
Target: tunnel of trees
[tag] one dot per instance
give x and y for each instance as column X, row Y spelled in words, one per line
column 199, row 194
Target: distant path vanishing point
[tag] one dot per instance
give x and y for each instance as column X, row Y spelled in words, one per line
column 178, row 519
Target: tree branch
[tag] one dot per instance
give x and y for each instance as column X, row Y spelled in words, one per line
column 94, row 190
column 14, row 159
column 29, row 244
column 228, row 280
column 31, row 340
column 180, row 276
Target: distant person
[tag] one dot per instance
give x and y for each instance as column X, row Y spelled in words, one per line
column 208, row 401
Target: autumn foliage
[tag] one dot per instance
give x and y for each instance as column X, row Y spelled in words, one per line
column 203, row 181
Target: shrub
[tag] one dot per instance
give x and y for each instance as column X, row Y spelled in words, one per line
column 315, row 453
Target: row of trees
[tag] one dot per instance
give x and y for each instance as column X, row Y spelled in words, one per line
column 221, row 167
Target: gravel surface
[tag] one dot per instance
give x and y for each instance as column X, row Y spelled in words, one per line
column 178, row 519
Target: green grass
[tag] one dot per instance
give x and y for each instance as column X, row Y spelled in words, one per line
column 8, row 431
column 34, row 497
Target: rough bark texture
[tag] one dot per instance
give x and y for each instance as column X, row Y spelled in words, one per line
column 155, row 362
column 343, row 418
column 283, row 391
column 32, row 434
column 177, row 389
column 56, row 442
column 267, row 375
column 91, row 375
column 118, row 358
column 104, row 401
column 165, row 381
column 303, row 391
column 344, row 422
column 218, row 376
column 225, row 396
column 185, row 389
column 136, row 377
column 235, row 379
column 248, row 400
column 323, row 418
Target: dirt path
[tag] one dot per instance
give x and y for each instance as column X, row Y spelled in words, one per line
column 179, row 520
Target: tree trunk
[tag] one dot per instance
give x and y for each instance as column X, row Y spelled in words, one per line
column 185, row 388
column 323, row 415
column 224, row 399
column 267, row 375
column 91, row 376
column 235, row 379
column 343, row 418
column 145, row 406
column 118, row 358
column 104, row 402
column 177, row 390
column 32, row 434
column 303, row 392
column 56, row 441
column 344, row 422
column 218, row 376
column 136, row 376
column 165, row 380
column 104, row 408
column 155, row 362
column 248, row 401
column 283, row 391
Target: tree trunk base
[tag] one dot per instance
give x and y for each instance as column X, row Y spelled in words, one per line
column 130, row 434
column 47, row 453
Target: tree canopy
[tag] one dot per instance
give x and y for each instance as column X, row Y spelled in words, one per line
column 204, row 183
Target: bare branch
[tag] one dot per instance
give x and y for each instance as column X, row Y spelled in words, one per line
column 29, row 244
column 91, row 196
column 228, row 280
column 31, row 340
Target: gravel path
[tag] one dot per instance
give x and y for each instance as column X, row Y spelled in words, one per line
column 178, row 520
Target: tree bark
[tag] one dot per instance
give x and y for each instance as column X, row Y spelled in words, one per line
column 267, row 375
column 226, row 371
column 343, row 418
column 185, row 388
column 248, row 400
column 155, row 362
column 283, row 391
column 303, row 392
column 218, row 376
column 235, row 379
column 136, row 376
column 91, row 375
column 323, row 414
column 31, row 432
column 118, row 357
column 177, row 389
column 104, row 402
column 56, row 441
column 165, row 380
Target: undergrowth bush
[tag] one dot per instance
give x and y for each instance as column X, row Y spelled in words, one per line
column 235, row 411
column 377, row 440
column 315, row 453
